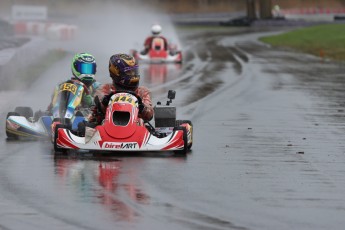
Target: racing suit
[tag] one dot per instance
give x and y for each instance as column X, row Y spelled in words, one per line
column 142, row 91
column 87, row 98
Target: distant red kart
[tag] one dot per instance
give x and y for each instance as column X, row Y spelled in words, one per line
column 122, row 130
column 158, row 54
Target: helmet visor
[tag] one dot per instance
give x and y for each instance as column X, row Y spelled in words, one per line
column 131, row 71
column 129, row 78
column 86, row 68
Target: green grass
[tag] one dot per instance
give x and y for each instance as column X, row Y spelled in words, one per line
column 327, row 41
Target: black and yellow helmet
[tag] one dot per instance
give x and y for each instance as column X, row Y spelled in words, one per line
column 124, row 71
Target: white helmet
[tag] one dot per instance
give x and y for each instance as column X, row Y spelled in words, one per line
column 156, row 29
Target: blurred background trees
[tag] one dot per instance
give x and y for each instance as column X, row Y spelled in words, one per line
column 252, row 7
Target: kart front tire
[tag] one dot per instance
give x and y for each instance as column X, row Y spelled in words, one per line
column 10, row 135
column 179, row 123
column 24, row 111
column 179, row 61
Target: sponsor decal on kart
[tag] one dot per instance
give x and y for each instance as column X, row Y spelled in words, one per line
column 12, row 125
column 120, row 145
column 125, row 99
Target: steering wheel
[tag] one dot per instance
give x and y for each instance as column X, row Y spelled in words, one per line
column 98, row 104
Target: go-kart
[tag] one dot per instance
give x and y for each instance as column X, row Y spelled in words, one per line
column 158, row 54
column 23, row 123
column 123, row 131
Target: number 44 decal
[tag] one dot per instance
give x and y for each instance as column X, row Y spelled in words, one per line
column 125, row 99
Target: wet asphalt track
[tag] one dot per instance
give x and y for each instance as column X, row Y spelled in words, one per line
column 268, row 150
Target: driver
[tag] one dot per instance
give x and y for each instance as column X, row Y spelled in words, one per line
column 83, row 69
column 155, row 30
column 124, row 71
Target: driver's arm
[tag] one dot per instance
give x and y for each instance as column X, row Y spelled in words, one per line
column 147, row 43
column 145, row 94
column 103, row 91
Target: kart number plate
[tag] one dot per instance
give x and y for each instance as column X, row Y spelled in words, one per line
column 125, row 99
column 68, row 87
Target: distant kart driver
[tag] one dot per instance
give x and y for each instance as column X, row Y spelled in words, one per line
column 156, row 41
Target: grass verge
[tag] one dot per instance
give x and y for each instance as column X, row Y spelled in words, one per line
column 326, row 41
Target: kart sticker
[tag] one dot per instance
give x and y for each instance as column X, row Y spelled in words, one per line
column 125, row 99
column 116, row 145
column 68, row 87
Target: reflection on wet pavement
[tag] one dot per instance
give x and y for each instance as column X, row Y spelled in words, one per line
column 105, row 185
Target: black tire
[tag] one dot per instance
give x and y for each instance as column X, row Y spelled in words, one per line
column 56, row 148
column 180, row 62
column 81, row 129
column 24, row 111
column 180, row 122
column 10, row 135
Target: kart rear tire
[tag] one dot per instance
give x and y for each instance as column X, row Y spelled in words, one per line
column 180, row 61
column 24, row 111
column 180, row 122
column 10, row 135
column 56, row 148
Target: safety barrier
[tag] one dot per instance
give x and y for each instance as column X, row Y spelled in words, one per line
column 53, row 31
column 61, row 32
column 14, row 59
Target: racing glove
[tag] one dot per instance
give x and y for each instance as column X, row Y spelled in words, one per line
column 106, row 99
column 87, row 100
column 140, row 105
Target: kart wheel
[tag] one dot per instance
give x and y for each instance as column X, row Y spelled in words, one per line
column 81, row 129
column 180, row 122
column 10, row 135
column 24, row 111
column 179, row 61
column 56, row 148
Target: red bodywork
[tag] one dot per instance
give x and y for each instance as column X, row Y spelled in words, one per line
column 122, row 130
